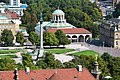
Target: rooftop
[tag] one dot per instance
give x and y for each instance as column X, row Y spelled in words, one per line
column 58, row 11
column 71, row 30
column 48, row 74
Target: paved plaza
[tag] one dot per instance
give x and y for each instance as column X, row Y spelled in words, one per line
column 99, row 49
column 78, row 47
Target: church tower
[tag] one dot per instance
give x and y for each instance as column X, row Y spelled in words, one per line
column 96, row 72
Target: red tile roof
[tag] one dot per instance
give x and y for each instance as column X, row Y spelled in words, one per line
column 13, row 15
column 71, row 30
column 50, row 74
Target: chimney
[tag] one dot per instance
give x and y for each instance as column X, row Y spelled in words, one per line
column 79, row 67
column 16, row 74
column 27, row 70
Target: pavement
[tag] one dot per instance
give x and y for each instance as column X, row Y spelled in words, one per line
column 63, row 57
column 19, row 59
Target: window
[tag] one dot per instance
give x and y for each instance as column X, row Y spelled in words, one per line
column 116, row 42
column 116, row 36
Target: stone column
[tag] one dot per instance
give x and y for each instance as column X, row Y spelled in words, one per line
column 41, row 50
column 84, row 38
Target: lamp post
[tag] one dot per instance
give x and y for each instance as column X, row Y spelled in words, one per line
column 103, row 43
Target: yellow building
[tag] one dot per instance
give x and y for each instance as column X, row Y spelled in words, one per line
column 110, row 33
column 8, row 21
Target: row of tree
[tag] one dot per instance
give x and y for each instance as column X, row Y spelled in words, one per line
column 7, row 38
column 49, row 38
column 108, row 65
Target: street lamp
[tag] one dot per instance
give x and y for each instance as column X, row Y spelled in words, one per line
column 103, row 43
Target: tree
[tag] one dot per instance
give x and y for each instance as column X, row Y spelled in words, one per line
column 20, row 38
column 34, row 19
column 63, row 40
column 114, row 67
column 106, row 57
column 69, row 65
column 116, row 13
column 26, row 18
column 88, row 62
column 0, row 39
column 7, row 37
column 34, row 38
column 51, row 62
column 41, row 64
column 78, row 13
column 27, row 61
column 50, row 39
column 7, row 64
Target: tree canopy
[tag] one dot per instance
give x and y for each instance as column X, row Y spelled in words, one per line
column 34, row 38
column 80, row 13
column 116, row 13
column 50, row 39
column 7, row 37
column 20, row 38
column 63, row 40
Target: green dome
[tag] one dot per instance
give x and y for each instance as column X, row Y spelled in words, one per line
column 58, row 12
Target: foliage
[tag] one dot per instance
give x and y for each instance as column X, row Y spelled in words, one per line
column 41, row 64
column 49, row 62
column 34, row 38
column 7, row 64
column 109, row 17
column 88, row 62
column 69, row 65
column 113, row 65
column 20, row 38
column 78, row 13
column 28, row 61
column 0, row 39
column 30, row 19
column 116, row 13
column 7, row 37
column 50, row 39
column 63, row 40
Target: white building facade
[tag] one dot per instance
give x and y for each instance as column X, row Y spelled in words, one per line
column 15, row 6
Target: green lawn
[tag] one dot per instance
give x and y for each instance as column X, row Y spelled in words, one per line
column 59, row 51
column 10, row 56
column 8, row 51
column 86, row 52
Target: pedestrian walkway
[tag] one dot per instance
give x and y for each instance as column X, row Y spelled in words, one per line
column 63, row 57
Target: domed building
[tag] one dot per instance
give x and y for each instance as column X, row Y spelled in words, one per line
column 58, row 21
